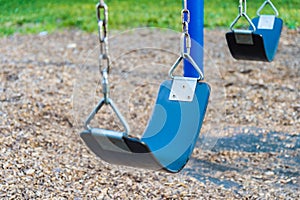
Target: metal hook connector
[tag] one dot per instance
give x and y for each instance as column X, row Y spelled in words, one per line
column 104, row 72
column 263, row 6
column 105, row 86
column 107, row 63
column 100, row 104
column 190, row 60
column 185, row 44
column 242, row 13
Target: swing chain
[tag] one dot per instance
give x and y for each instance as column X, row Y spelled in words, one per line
column 243, row 7
column 104, row 59
column 103, row 39
column 185, row 38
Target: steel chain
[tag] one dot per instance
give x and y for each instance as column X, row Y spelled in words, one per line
column 104, row 59
column 185, row 38
column 104, row 51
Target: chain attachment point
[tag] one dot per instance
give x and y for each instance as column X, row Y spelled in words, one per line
column 264, row 5
column 186, row 44
column 242, row 13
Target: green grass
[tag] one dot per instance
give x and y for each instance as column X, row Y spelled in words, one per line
column 33, row 16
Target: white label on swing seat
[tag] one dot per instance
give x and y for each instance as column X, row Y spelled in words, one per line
column 183, row 89
column 266, row 22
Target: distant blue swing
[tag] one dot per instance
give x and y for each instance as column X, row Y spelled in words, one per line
column 260, row 42
column 176, row 121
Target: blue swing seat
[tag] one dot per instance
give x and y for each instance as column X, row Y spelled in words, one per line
column 260, row 45
column 168, row 140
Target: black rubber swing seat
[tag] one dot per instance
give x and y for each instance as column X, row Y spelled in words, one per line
column 168, row 140
column 258, row 45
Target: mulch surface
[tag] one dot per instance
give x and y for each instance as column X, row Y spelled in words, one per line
column 249, row 147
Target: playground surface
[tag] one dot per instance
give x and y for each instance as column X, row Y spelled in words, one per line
column 249, row 145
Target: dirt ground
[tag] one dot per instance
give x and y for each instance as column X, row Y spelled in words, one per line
column 249, row 147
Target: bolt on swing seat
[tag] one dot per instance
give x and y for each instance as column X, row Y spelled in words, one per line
column 171, row 133
column 260, row 42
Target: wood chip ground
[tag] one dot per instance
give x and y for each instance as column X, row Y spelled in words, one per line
column 249, row 147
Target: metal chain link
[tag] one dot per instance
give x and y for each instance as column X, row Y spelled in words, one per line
column 242, row 7
column 104, row 59
column 185, row 38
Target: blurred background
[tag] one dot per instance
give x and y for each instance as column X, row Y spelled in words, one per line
column 38, row 16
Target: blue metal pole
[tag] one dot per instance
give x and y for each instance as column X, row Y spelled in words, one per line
column 196, row 30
